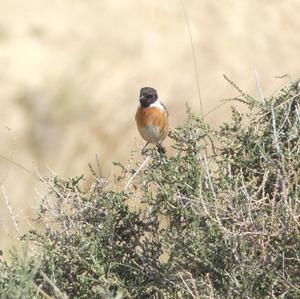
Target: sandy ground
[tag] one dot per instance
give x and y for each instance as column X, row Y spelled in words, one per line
column 70, row 74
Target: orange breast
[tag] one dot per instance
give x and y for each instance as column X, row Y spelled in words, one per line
column 152, row 124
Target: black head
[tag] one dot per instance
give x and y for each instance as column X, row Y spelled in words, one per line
column 148, row 96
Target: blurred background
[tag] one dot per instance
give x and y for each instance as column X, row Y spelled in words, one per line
column 71, row 71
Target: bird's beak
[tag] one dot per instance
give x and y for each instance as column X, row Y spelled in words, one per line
column 141, row 98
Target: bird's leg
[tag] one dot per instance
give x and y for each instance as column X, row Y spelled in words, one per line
column 162, row 156
column 161, row 149
column 144, row 149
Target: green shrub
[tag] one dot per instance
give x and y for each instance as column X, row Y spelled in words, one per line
column 219, row 218
column 16, row 279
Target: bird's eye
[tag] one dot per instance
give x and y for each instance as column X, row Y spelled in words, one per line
column 148, row 96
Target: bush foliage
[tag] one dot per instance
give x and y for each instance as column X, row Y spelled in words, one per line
column 218, row 219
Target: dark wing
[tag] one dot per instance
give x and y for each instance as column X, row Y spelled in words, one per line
column 165, row 109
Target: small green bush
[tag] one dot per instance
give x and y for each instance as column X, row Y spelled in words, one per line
column 16, row 279
column 219, row 218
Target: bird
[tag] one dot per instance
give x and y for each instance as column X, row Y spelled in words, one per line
column 152, row 119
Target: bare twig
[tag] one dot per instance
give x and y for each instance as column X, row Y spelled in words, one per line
column 258, row 87
column 11, row 153
column 275, row 133
column 52, row 284
column 10, row 210
column 19, row 165
column 41, row 291
column 215, row 108
column 187, row 287
column 194, row 56
column 279, row 105
column 139, row 169
column 98, row 166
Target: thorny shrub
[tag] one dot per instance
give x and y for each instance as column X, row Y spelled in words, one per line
column 218, row 219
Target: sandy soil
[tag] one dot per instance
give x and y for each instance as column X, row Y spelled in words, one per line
column 70, row 73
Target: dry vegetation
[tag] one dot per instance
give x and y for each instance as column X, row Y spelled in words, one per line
column 67, row 68
column 215, row 220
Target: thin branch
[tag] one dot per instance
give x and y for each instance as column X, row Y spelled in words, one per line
column 10, row 210
column 52, row 284
column 194, row 56
column 41, row 291
column 98, row 166
column 258, row 87
column 139, row 169
column 11, row 154
column 215, row 108
column 187, row 287
column 279, row 105
column 20, row 166
column 275, row 134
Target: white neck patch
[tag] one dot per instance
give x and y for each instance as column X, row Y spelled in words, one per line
column 158, row 104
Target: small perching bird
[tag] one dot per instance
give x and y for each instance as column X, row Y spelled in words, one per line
column 152, row 119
